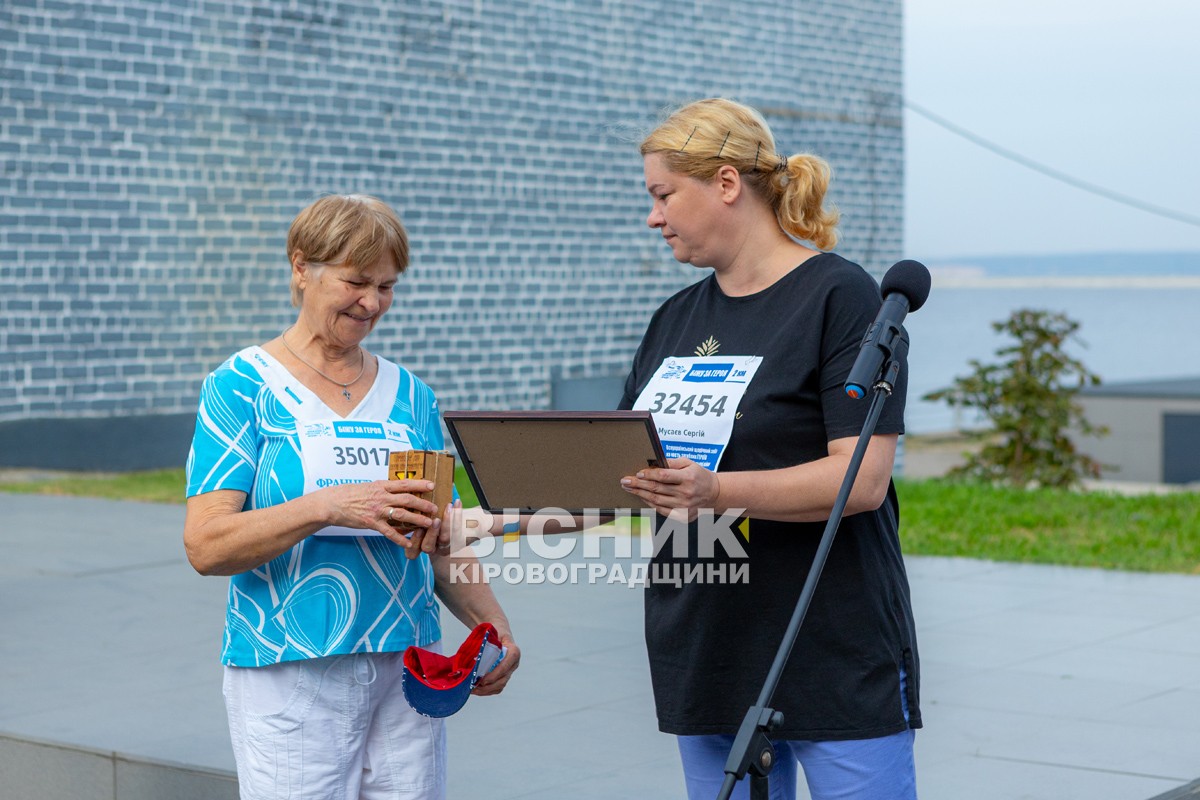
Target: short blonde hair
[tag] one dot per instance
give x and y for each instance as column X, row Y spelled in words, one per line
column 698, row 139
column 346, row 229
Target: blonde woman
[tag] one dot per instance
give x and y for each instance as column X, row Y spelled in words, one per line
column 743, row 372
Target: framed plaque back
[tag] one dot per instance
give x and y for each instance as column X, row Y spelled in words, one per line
column 570, row 460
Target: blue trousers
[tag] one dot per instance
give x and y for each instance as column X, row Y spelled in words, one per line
column 861, row 769
column 858, row 769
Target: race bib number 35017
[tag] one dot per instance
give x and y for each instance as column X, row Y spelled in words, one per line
column 337, row 451
column 694, row 402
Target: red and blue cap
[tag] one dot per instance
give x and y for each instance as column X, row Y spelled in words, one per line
column 436, row 685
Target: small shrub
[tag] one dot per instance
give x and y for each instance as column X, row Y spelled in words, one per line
column 1029, row 398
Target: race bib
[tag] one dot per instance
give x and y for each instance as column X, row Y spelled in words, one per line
column 694, row 402
column 337, row 451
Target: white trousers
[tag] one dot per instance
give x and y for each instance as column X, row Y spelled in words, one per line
column 334, row 728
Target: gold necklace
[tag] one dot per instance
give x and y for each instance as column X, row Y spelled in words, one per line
column 345, row 386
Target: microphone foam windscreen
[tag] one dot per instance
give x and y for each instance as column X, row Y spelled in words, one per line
column 909, row 278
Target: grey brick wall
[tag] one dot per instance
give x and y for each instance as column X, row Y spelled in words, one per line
column 153, row 152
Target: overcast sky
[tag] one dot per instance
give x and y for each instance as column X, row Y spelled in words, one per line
column 1107, row 91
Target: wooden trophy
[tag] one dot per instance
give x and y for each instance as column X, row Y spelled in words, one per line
column 429, row 465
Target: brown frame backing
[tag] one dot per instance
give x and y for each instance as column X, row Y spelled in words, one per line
column 570, row 460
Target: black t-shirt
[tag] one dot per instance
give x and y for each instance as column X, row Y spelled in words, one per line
column 711, row 643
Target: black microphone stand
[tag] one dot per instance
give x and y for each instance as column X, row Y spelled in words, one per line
column 752, row 751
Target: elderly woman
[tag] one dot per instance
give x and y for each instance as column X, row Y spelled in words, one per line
column 776, row 445
column 326, row 589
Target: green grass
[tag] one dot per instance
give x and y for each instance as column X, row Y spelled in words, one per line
column 1150, row 533
column 156, row 486
column 465, row 490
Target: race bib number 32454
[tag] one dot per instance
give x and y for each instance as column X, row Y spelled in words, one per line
column 694, row 402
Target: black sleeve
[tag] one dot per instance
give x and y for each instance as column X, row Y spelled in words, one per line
column 630, row 395
column 637, row 377
column 851, row 307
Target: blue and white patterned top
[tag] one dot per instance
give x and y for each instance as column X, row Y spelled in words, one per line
column 327, row 595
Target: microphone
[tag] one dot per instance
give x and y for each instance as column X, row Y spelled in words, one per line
column 905, row 288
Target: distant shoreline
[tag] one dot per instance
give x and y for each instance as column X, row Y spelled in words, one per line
column 949, row 280
column 1070, row 271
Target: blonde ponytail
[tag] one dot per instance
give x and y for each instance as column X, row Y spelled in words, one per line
column 801, row 185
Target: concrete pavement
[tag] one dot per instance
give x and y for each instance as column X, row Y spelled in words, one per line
column 1038, row 682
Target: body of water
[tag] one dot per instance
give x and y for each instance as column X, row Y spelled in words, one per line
column 1133, row 328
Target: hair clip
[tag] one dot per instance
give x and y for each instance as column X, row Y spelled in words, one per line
column 757, row 148
column 689, row 138
column 726, row 139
